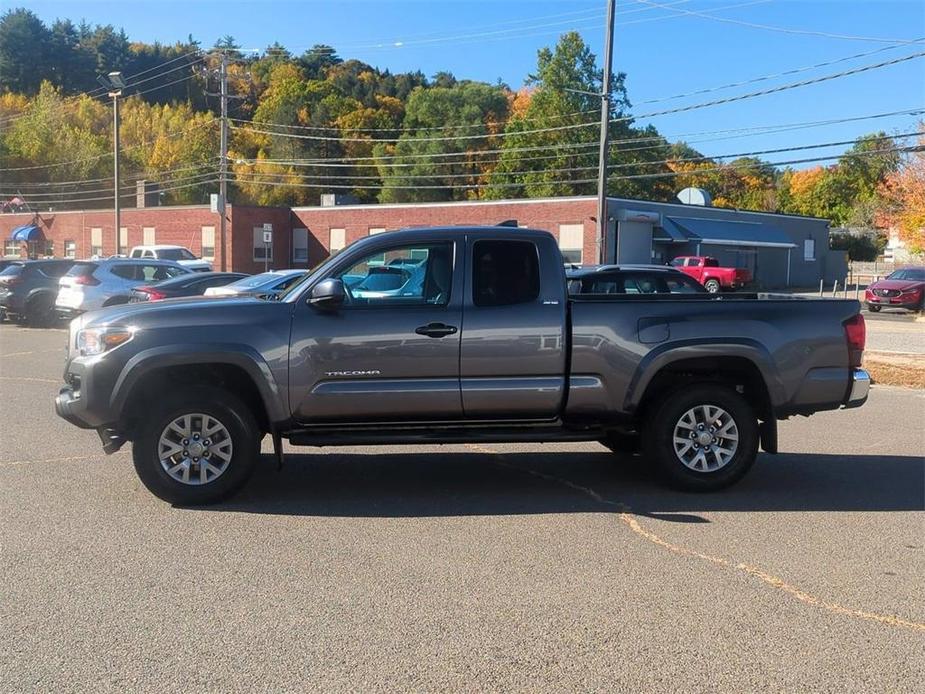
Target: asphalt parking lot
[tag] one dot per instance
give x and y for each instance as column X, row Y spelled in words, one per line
column 461, row 567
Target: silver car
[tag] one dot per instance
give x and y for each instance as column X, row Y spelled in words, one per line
column 264, row 283
column 93, row 284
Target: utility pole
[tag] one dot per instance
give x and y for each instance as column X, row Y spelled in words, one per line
column 605, row 137
column 223, row 163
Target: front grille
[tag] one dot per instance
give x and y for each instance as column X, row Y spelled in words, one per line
column 886, row 292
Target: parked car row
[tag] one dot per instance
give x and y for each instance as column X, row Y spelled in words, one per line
column 40, row 291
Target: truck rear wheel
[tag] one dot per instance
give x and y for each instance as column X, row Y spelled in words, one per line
column 198, row 447
column 712, row 286
column 702, row 438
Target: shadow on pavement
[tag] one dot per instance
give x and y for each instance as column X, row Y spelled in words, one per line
column 464, row 484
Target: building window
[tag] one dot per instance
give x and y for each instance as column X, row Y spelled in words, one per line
column 96, row 242
column 11, row 248
column 123, row 241
column 338, row 240
column 262, row 251
column 572, row 242
column 208, row 243
column 300, row 245
column 148, row 236
column 376, row 230
column 70, row 248
column 809, row 249
column 49, row 249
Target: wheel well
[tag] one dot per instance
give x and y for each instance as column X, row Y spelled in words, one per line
column 228, row 377
column 737, row 372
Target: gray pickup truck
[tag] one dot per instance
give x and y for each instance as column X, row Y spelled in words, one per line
column 469, row 336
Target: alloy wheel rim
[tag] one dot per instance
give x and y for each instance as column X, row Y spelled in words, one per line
column 195, row 449
column 706, row 438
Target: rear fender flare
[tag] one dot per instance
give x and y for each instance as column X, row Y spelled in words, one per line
column 166, row 356
column 665, row 355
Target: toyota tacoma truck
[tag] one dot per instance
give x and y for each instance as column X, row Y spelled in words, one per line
column 483, row 345
column 711, row 274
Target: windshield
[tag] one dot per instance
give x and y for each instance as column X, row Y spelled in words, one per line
column 912, row 273
column 175, row 254
column 255, row 281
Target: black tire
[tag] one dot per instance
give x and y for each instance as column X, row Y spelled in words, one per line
column 227, row 409
column 40, row 311
column 658, row 437
column 873, row 309
column 712, row 286
column 621, row 443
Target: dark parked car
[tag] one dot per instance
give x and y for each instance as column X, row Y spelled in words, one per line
column 28, row 289
column 631, row 279
column 901, row 289
column 488, row 348
column 194, row 284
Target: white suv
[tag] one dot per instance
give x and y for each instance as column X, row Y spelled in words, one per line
column 93, row 284
column 177, row 254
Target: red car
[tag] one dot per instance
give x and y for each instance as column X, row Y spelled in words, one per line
column 708, row 272
column 900, row 289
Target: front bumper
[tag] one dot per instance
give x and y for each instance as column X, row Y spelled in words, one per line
column 860, row 388
column 894, row 302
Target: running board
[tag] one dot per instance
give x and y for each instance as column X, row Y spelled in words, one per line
column 435, row 435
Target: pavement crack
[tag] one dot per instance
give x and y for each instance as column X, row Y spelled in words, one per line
column 628, row 518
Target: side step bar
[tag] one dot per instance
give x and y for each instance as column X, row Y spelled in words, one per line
column 389, row 437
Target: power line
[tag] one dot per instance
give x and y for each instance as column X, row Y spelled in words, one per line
column 785, row 30
column 109, row 197
column 81, row 181
column 764, row 78
column 673, row 160
column 123, row 189
column 669, row 174
column 774, row 90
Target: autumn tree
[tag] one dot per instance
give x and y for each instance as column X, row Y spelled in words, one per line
column 444, row 134
column 902, row 193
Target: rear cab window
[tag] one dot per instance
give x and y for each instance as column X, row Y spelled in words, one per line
column 505, row 273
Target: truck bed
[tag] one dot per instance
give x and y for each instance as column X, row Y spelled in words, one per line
column 621, row 342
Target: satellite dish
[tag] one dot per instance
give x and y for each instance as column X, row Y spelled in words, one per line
column 695, row 196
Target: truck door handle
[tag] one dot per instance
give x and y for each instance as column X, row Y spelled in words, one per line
column 436, row 330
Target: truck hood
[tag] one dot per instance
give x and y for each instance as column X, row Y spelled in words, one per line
column 185, row 311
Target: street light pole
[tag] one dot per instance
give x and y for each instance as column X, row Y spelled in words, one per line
column 223, row 164
column 115, row 84
column 605, row 138
column 115, row 166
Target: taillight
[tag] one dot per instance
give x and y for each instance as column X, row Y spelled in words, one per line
column 86, row 280
column 856, row 337
column 153, row 294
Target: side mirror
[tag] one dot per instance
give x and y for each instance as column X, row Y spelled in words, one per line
column 328, row 294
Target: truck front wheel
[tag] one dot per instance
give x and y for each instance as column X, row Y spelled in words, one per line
column 197, row 447
column 702, row 438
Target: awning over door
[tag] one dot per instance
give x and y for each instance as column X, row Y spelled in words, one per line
column 26, row 232
column 726, row 233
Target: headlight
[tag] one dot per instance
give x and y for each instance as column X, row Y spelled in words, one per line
column 92, row 341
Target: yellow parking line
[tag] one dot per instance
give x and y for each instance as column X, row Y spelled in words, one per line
column 27, row 378
column 11, row 463
column 627, row 518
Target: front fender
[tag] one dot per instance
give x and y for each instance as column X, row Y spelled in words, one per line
column 164, row 356
column 669, row 353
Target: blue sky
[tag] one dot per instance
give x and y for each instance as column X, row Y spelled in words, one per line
column 663, row 51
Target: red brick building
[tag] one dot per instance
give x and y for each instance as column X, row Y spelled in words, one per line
column 301, row 236
column 779, row 250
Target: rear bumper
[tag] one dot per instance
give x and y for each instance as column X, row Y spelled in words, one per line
column 860, row 388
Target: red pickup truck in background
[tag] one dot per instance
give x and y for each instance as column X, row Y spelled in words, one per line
column 708, row 272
